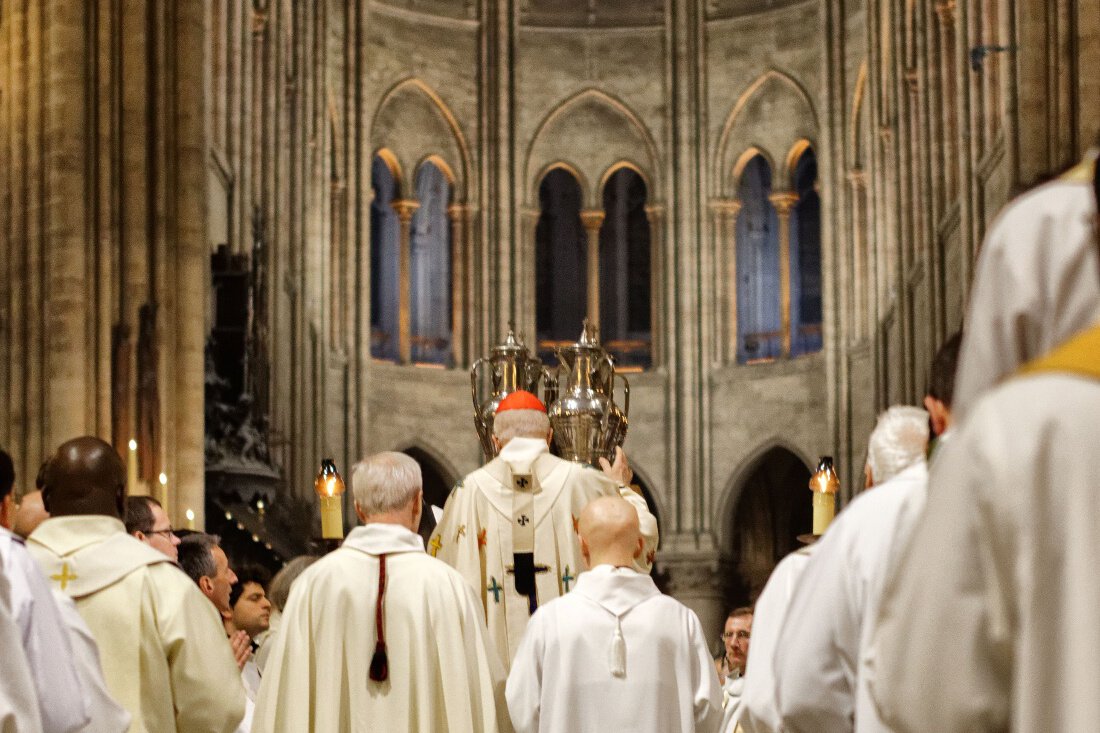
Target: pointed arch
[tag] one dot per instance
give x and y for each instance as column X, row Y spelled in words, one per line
column 787, row 98
column 622, row 134
column 411, row 118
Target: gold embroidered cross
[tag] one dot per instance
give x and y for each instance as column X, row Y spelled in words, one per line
column 435, row 544
column 64, row 576
column 461, row 532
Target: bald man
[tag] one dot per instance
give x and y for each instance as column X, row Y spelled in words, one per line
column 614, row 654
column 164, row 653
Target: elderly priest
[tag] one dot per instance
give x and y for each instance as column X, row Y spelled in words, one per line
column 378, row 635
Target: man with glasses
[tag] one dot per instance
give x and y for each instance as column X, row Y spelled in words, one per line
column 735, row 637
column 147, row 520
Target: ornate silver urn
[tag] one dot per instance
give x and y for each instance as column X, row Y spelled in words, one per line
column 508, row 368
column 587, row 423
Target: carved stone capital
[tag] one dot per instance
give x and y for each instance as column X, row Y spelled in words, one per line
column 857, row 177
column 654, row 212
column 783, row 201
column 726, row 207
column 460, row 211
column 405, row 208
column 592, row 219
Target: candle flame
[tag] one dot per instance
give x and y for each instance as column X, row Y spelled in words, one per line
column 163, row 478
column 190, row 516
column 132, row 444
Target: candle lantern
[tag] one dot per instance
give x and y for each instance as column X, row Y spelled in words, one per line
column 330, row 488
column 824, row 483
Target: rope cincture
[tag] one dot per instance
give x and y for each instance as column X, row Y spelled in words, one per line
column 379, row 663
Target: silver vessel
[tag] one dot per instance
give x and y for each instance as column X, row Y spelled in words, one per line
column 587, row 423
column 509, row 367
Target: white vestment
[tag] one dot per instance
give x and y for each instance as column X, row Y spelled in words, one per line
column 163, row 648
column 732, row 690
column 990, row 621
column 821, row 680
column 62, row 702
column 1035, row 284
column 484, row 522
column 104, row 712
column 564, row 679
column 443, row 673
column 18, row 700
column 758, row 712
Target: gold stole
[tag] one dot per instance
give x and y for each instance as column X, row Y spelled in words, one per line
column 1080, row 355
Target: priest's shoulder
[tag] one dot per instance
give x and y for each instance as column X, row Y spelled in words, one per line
column 1054, row 200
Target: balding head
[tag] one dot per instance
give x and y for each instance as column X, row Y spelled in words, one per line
column 85, row 476
column 610, row 534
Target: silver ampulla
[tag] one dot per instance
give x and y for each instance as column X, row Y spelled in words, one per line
column 587, row 423
column 511, row 368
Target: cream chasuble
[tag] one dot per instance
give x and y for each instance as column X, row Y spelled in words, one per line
column 164, row 652
column 523, row 501
column 758, row 712
column 614, row 655
column 990, row 622
column 1035, row 283
column 18, row 701
column 443, row 674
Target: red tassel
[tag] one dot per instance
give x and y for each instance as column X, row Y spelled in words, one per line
column 379, row 663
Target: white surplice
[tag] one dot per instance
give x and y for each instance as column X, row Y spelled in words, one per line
column 476, row 534
column 18, row 701
column 821, row 681
column 443, row 673
column 104, row 712
column 63, row 703
column 990, row 622
column 757, row 711
column 562, row 678
column 162, row 646
column 1035, row 283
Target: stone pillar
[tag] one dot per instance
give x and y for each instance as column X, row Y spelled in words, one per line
column 527, row 295
column 725, row 227
column 593, row 220
column 693, row 580
column 784, row 201
column 857, row 183
column 405, row 209
column 459, row 215
column 655, row 215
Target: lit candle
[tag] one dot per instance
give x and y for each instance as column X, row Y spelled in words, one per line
column 190, row 519
column 330, row 488
column 824, row 483
column 132, row 468
column 163, row 478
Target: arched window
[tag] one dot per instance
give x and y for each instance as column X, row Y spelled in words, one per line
column 806, row 258
column 759, row 317
column 560, row 252
column 385, row 237
column 625, row 270
column 430, row 269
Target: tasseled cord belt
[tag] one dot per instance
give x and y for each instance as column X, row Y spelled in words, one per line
column 379, row 663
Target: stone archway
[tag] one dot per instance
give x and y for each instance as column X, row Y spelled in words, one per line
column 772, row 509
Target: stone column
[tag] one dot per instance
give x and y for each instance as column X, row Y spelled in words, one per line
column 784, row 201
column 526, row 296
column 593, row 220
column 655, row 215
column 857, row 183
column 693, row 580
column 459, row 215
column 725, row 226
column 405, row 209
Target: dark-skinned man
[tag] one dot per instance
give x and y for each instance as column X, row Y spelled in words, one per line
column 163, row 649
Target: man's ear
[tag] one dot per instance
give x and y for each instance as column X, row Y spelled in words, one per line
column 7, row 510
column 360, row 513
column 640, row 548
column 139, row 535
column 206, row 584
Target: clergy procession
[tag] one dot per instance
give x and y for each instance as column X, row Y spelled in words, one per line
column 957, row 592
